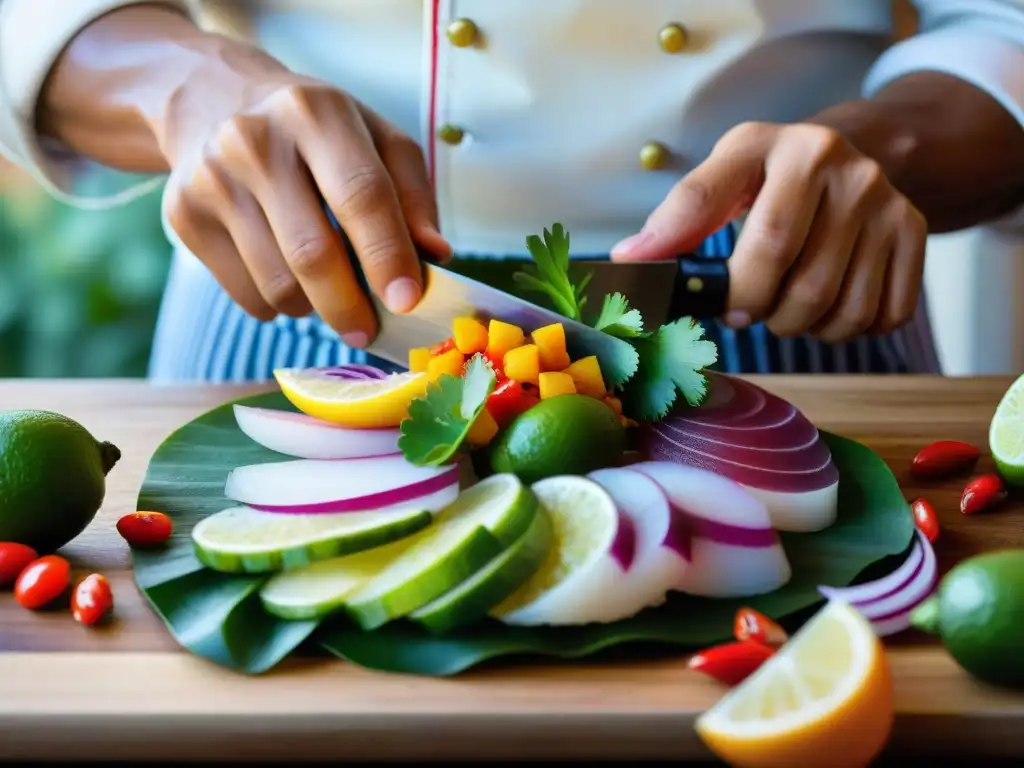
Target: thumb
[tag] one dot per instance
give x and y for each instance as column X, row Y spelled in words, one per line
column 700, row 204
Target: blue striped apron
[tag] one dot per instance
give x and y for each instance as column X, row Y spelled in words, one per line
column 203, row 336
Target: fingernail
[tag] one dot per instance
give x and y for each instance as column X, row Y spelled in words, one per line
column 737, row 319
column 401, row 295
column 355, row 339
column 631, row 244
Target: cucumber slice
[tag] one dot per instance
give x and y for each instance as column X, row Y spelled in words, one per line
column 472, row 599
column 244, row 540
column 465, row 537
column 320, row 589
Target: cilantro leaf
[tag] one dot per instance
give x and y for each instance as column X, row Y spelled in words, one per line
column 439, row 421
column 618, row 318
column 672, row 361
column 550, row 272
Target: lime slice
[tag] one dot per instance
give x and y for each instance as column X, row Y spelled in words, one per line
column 320, row 589
column 592, row 549
column 466, row 536
column 1006, row 434
column 472, row 599
column 245, row 540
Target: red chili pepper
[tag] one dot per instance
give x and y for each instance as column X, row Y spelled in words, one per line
column 925, row 518
column 982, row 493
column 508, row 400
column 751, row 625
column 732, row 663
column 92, row 599
column 145, row 529
column 14, row 558
column 498, row 364
column 441, row 347
column 42, row 582
column 944, row 457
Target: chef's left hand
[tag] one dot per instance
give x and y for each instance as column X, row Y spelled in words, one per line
column 829, row 247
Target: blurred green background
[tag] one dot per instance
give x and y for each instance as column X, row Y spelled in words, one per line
column 79, row 289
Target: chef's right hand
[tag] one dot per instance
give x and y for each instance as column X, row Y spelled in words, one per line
column 254, row 150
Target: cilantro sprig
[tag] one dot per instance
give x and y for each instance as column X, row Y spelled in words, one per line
column 550, row 275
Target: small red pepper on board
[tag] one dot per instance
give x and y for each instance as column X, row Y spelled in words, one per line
column 944, row 457
column 508, row 400
column 925, row 518
column 982, row 493
column 92, row 599
column 14, row 558
column 731, row 663
column 145, row 529
column 751, row 625
column 42, row 582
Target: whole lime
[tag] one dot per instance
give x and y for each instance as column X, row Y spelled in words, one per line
column 564, row 435
column 978, row 611
column 52, row 478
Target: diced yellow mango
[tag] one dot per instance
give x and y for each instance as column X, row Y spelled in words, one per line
column 483, row 430
column 469, row 334
column 522, row 364
column 501, row 337
column 555, row 383
column 550, row 340
column 586, row 373
column 419, row 359
column 452, row 361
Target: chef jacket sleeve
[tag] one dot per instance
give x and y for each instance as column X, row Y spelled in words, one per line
column 33, row 33
column 978, row 41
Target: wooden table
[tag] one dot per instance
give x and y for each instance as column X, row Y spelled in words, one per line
column 68, row 691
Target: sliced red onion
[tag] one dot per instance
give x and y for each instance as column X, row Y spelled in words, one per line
column 305, row 437
column 871, row 591
column 890, row 612
column 623, row 549
column 353, row 371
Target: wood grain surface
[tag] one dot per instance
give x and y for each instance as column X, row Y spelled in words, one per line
column 128, row 691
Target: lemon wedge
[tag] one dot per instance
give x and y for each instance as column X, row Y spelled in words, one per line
column 824, row 699
column 352, row 403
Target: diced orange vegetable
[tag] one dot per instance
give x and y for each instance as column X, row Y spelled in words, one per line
column 419, row 359
column 550, row 340
column 452, row 362
column 443, row 346
column 483, row 430
column 501, row 337
column 522, row 364
column 586, row 373
column 469, row 334
column 614, row 403
column 555, row 383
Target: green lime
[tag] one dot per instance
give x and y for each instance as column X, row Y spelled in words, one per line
column 52, row 478
column 1006, row 434
column 978, row 612
column 565, row 435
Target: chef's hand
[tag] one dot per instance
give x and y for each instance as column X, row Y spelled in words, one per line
column 253, row 148
column 829, row 247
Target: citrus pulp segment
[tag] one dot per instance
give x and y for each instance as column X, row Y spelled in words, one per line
column 245, row 540
column 1006, row 434
column 824, row 699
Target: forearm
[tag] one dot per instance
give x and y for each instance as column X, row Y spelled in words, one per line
column 116, row 84
column 949, row 147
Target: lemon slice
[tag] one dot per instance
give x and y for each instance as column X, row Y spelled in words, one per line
column 352, row 403
column 1006, row 434
column 825, row 699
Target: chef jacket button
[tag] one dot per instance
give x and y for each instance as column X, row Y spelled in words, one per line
column 673, row 38
column 450, row 134
column 462, row 33
column 654, row 156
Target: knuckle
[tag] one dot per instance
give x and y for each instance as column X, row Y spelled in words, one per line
column 363, row 191
column 870, row 176
column 812, row 297
column 282, row 291
column 243, row 140
column 379, row 253
column 210, row 179
column 821, row 144
column 309, row 256
column 308, row 101
column 691, row 194
column 776, row 241
column 744, row 134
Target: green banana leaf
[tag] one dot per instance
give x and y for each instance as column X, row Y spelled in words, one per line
column 219, row 617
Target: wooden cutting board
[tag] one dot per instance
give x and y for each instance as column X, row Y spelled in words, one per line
column 128, row 691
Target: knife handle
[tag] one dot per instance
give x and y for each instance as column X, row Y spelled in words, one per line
column 702, row 287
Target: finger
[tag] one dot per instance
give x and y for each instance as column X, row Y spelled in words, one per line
column 404, row 161
column 258, row 248
column 706, row 199
column 354, row 182
column 209, row 241
column 863, row 287
column 903, row 287
column 774, row 234
column 813, row 284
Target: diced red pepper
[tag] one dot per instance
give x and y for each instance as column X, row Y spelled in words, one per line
column 508, row 400
column 732, row 663
column 499, row 366
column 441, row 347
